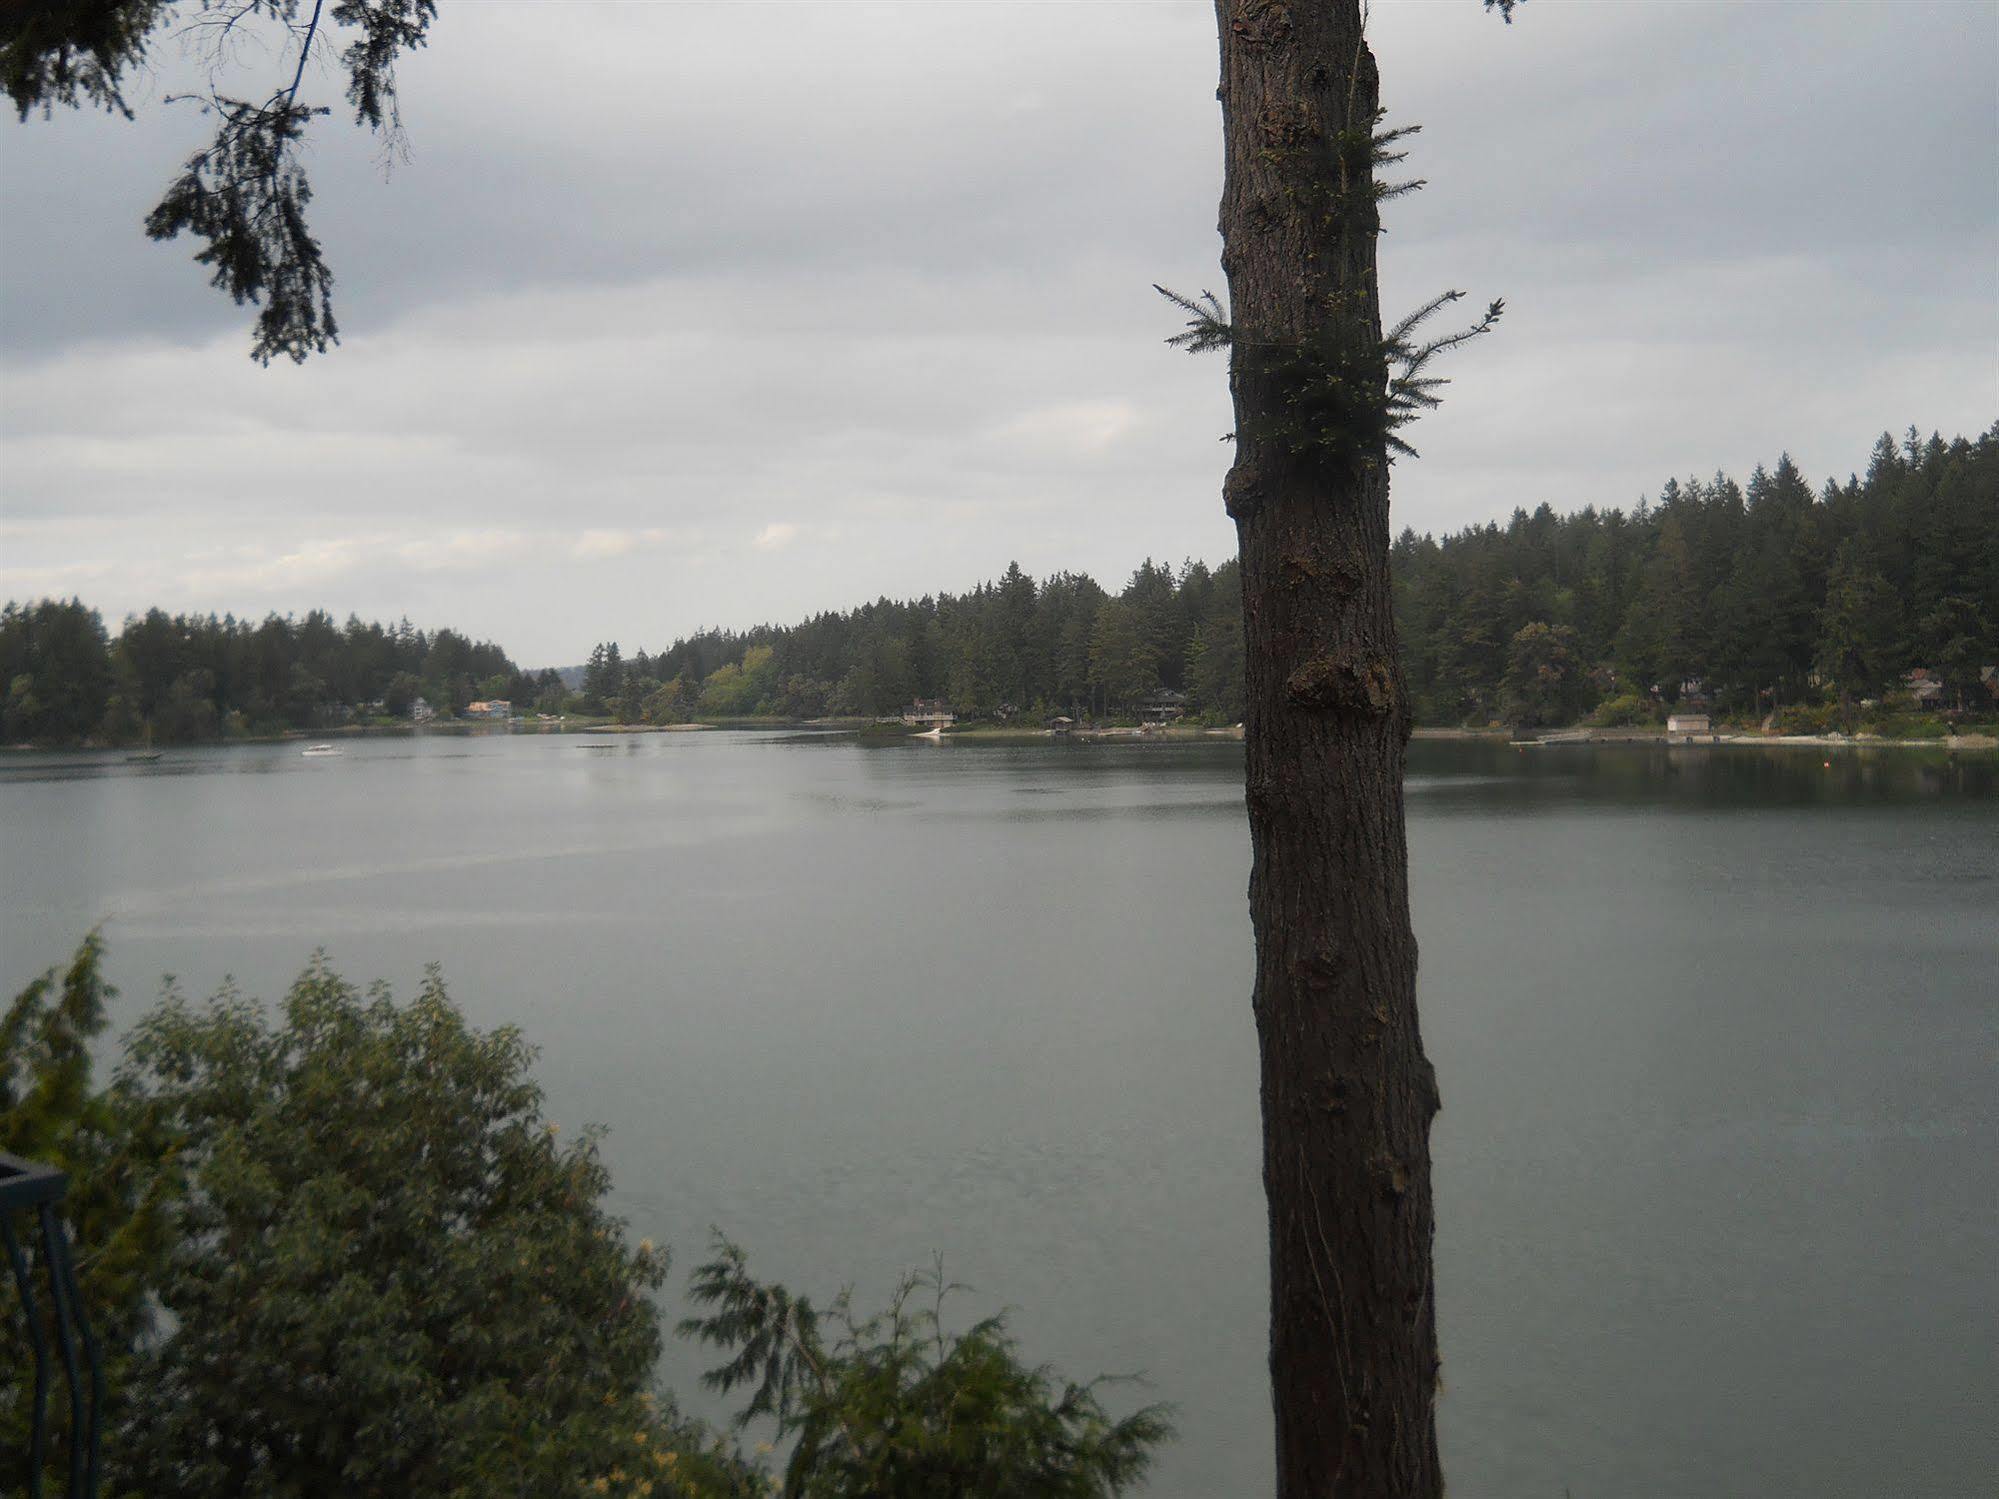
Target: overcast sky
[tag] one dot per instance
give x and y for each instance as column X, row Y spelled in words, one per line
column 681, row 315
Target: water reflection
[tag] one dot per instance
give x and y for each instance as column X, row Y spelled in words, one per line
column 1503, row 775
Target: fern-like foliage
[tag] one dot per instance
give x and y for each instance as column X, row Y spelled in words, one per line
column 1334, row 397
column 774, row 1335
column 1207, row 323
column 1411, row 391
column 1382, row 152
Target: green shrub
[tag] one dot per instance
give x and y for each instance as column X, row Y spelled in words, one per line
column 895, row 1406
column 1908, row 726
column 384, row 1272
column 1807, row 718
column 1627, row 710
column 390, row 1275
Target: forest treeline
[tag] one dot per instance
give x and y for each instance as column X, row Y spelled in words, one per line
column 1749, row 597
column 188, row 677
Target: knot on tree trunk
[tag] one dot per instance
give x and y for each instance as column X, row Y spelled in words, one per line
column 1390, row 1175
column 1261, row 23
column 1317, row 973
column 1361, row 684
column 1242, row 490
column 1310, row 563
column 1288, row 126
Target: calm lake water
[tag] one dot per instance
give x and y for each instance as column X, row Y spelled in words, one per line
column 1716, row 1187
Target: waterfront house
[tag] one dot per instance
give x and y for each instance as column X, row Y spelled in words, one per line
column 1923, row 686
column 1164, row 706
column 421, row 711
column 929, row 713
column 498, row 707
column 1688, row 726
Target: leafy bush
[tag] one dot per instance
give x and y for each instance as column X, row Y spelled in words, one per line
column 390, row 1276
column 1808, row 718
column 1923, row 726
column 384, row 1274
column 115, row 1210
column 1625, row 711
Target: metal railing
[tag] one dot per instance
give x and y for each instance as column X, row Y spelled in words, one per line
column 34, row 1190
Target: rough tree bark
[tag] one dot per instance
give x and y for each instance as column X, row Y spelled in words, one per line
column 1347, row 1093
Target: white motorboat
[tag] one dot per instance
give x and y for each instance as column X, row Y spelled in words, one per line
column 318, row 751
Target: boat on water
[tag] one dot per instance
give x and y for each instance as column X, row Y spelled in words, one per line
column 318, row 751
column 142, row 757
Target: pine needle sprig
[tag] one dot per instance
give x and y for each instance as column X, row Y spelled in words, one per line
column 1411, row 392
column 1382, row 153
column 1208, row 326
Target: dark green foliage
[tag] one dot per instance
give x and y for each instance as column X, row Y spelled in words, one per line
column 1216, row 668
column 1859, row 624
column 1713, row 584
column 1123, row 658
column 245, row 194
column 1411, row 389
column 73, row 52
column 1625, row 711
column 55, row 672
column 1016, row 650
column 1208, row 326
column 895, row 1406
column 115, row 1210
column 603, row 679
column 384, row 1273
column 193, row 677
column 1336, row 399
column 1725, row 590
column 1544, row 682
column 388, row 28
column 389, row 1274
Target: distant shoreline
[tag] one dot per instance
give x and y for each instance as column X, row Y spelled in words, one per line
column 1564, row 738
column 1011, row 734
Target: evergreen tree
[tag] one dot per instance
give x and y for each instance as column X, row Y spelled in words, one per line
column 1858, row 627
column 899, row 1406
column 1124, row 662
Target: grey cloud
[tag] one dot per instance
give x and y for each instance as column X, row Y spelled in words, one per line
column 883, row 274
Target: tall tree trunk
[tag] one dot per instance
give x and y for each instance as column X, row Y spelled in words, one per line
column 1347, row 1093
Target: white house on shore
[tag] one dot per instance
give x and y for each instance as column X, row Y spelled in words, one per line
column 1688, row 726
column 931, row 713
